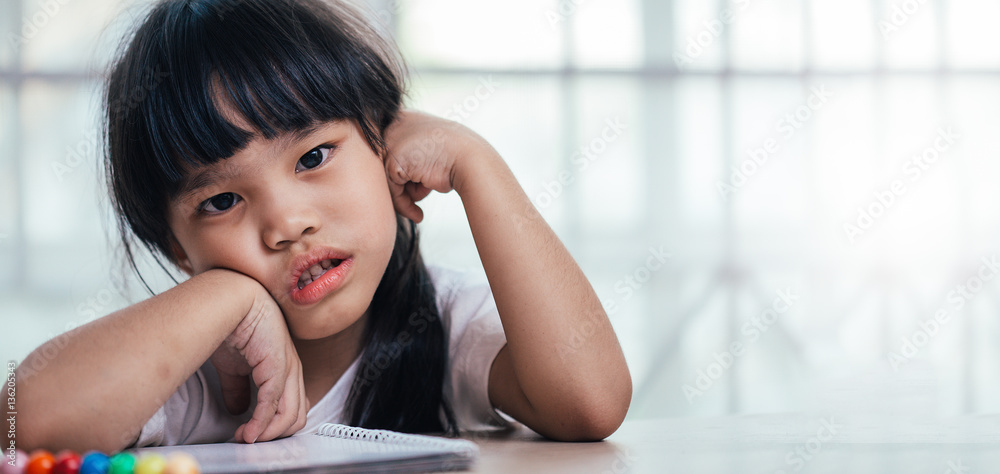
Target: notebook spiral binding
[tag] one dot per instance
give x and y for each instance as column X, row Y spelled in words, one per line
column 392, row 437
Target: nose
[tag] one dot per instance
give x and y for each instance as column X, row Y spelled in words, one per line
column 286, row 220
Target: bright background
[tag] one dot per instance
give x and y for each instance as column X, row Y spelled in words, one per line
column 563, row 70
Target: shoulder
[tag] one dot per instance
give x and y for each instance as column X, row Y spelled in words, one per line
column 461, row 296
column 451, row 282
column 469, row 314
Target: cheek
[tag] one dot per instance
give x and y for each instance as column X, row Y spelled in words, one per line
column 223, row 248
column 380, row 215
column 236, row 252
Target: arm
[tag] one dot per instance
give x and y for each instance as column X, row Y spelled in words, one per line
column 111, row 375
column 562, row 372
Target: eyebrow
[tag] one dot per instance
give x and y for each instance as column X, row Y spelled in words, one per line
column 202, row 179
column 208, row 177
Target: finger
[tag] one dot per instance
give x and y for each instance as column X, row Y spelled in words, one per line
column 303, row 413
column 413, row 212
column 288, row 410
column 235, row 392
column 268, row 396
column 395, row 172
column 301, row 408
column 280, row 422
column 417, row 191
column 404, row 204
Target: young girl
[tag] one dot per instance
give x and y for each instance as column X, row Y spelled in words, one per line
column 263, row 151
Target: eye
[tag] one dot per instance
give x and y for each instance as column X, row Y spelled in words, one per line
column 317, row 156
column 219, row 203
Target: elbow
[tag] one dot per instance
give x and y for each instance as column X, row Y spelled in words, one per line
column 43, row 423
column 598, row 426
column 598, row 417
column 55, row 440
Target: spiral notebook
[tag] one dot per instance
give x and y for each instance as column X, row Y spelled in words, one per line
column 333, row 448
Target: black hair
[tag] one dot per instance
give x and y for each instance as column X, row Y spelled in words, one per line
column 282, row 66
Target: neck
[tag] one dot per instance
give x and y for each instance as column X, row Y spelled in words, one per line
column 328, row 358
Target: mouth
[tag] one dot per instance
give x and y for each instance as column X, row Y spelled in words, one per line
column 317, row 274
column 317, row 270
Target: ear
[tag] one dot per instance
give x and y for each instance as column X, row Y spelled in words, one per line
column 180, row 257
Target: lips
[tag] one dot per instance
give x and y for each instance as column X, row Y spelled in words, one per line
column 318, row 273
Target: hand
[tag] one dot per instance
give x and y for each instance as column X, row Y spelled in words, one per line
column 262, row 348
column 425, row 153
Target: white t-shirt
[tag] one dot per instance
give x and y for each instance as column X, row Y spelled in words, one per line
column 196, row 413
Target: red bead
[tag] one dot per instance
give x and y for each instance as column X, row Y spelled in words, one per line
column 67, row 462
column 41, row 462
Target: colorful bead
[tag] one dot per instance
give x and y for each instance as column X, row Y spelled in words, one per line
column 150, row 464
column 122, row 463
column 67, row 462
column 40, row 462
column 20, row 462
column 182, row 463
column 95, row 463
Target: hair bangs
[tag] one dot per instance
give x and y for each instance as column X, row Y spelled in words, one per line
column 259, row 70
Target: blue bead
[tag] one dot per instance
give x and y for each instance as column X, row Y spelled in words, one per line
column 95, row 463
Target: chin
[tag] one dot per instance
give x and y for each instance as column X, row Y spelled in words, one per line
column 310, row 332
column 323, row 320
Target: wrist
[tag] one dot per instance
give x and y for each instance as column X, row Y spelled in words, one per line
column 242, row 292
column 476, row 158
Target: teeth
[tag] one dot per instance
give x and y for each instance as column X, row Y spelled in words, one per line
column 316, row 271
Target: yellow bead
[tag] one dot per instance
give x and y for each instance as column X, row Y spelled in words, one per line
column 182, row 463
column 150, row 464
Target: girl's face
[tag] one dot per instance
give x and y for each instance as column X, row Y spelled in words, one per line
column 308, row 215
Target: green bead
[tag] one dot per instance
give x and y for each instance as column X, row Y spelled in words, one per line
column 122, row 463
